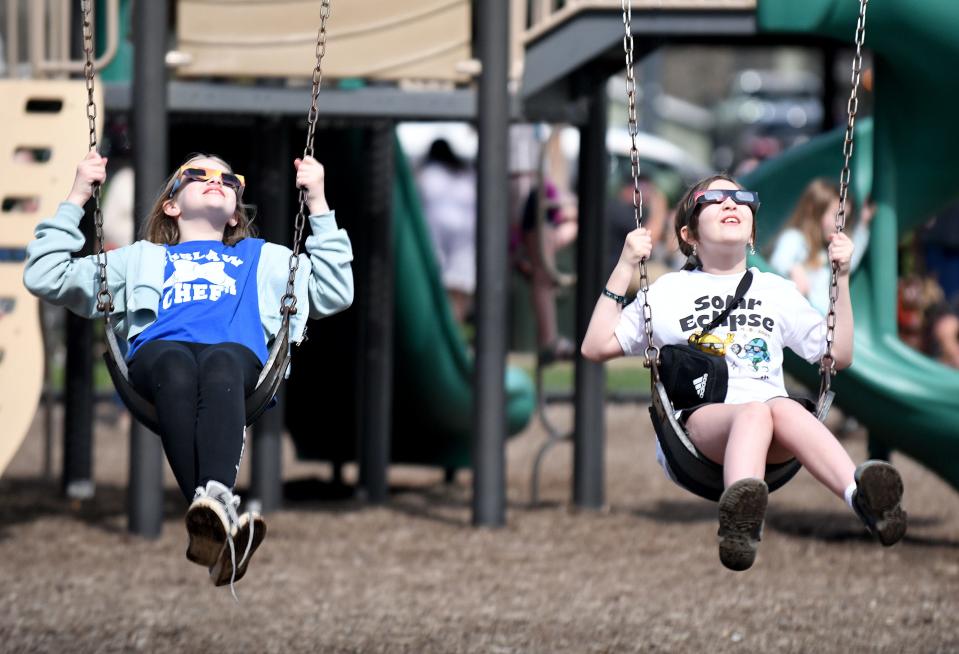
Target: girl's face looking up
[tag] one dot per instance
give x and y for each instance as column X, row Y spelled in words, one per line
column 209, row 200
column 723, row 224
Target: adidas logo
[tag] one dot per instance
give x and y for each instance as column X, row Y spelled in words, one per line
column 700, row 385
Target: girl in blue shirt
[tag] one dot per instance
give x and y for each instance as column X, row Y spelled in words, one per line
column 197, row 300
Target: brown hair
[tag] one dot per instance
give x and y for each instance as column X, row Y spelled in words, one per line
column 807, row 216
column 161, row 228
column 687, row 215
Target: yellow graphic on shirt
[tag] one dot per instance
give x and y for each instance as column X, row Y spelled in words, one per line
column 710, row 344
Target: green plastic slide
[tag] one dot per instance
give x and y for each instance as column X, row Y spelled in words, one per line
column 904, row 161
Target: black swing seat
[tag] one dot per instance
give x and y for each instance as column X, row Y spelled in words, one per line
column 256, row 402
column 692, row 469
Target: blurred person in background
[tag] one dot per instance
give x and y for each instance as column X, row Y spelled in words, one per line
column 447, row 187
column 942, row 342
column 621, row 220
column 559, row 230
column 940, row 250
column 800, row 250
column 927, row 321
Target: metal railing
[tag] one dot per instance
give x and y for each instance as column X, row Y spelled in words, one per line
column 44, row 28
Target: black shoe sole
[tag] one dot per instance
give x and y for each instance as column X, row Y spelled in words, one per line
column 879, row 489
column 742, row 509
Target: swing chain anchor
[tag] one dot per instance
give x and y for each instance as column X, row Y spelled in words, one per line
column 288, row 305
column 104, row 301
column 827, row 365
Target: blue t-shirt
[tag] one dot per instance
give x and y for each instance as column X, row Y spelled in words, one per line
column 209, row 296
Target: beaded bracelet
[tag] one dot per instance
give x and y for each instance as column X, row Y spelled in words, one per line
column 618, row 299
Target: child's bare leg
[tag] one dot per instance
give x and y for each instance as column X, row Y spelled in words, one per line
column 739, row 435
column 736, row 435
column 873, row 490
column 544, row 307
column 797, row 432
column 543, row 294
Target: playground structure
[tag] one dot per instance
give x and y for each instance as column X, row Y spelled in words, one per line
column 408, row 372
column 907, row 401
column 38, row 162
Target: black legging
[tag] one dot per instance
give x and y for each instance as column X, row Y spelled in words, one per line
column 199, row 392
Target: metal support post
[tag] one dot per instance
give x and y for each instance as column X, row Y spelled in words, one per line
column 145, row 500
column 277, row 187
column 590, row 423
column 489, row 418
column 375, row 303
column 79, row 397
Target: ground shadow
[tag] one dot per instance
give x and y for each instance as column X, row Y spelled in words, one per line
column 24, row 500
column 437, row 502
column 843, row 526
column 677, row 511
column 827, row 526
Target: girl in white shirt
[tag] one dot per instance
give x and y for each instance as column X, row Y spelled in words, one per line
column 758, row 424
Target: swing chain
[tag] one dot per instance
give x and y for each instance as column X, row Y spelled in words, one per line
column 104, row 296
column 652, row 352
column 828, row 364
column 288, row 301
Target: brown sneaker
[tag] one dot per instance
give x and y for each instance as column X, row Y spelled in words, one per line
column 877, row 501
column 249, row 533
column 742, row 509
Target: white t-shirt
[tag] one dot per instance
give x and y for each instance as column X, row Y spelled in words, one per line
column 449, row 205
column 771, row 316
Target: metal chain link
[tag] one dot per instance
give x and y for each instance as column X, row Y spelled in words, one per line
column 288, row 301
column 104, row 296
column 852, row 107
column 652, row 352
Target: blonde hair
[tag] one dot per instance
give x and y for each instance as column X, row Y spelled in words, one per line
column 163, row 229
column 807, row 216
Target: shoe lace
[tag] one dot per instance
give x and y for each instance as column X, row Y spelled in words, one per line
column 231, row 502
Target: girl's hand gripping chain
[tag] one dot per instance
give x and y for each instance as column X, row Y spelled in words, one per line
column 840, row 252
column 639, row 244
column 311, row 177
column 92, row 170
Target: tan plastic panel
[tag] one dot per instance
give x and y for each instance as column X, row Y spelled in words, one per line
column 412, row 39
column 21, row 360
column 572, row 7
column 65, row 134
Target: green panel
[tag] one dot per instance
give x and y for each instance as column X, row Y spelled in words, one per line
column 120, row 68
column 907, row 401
